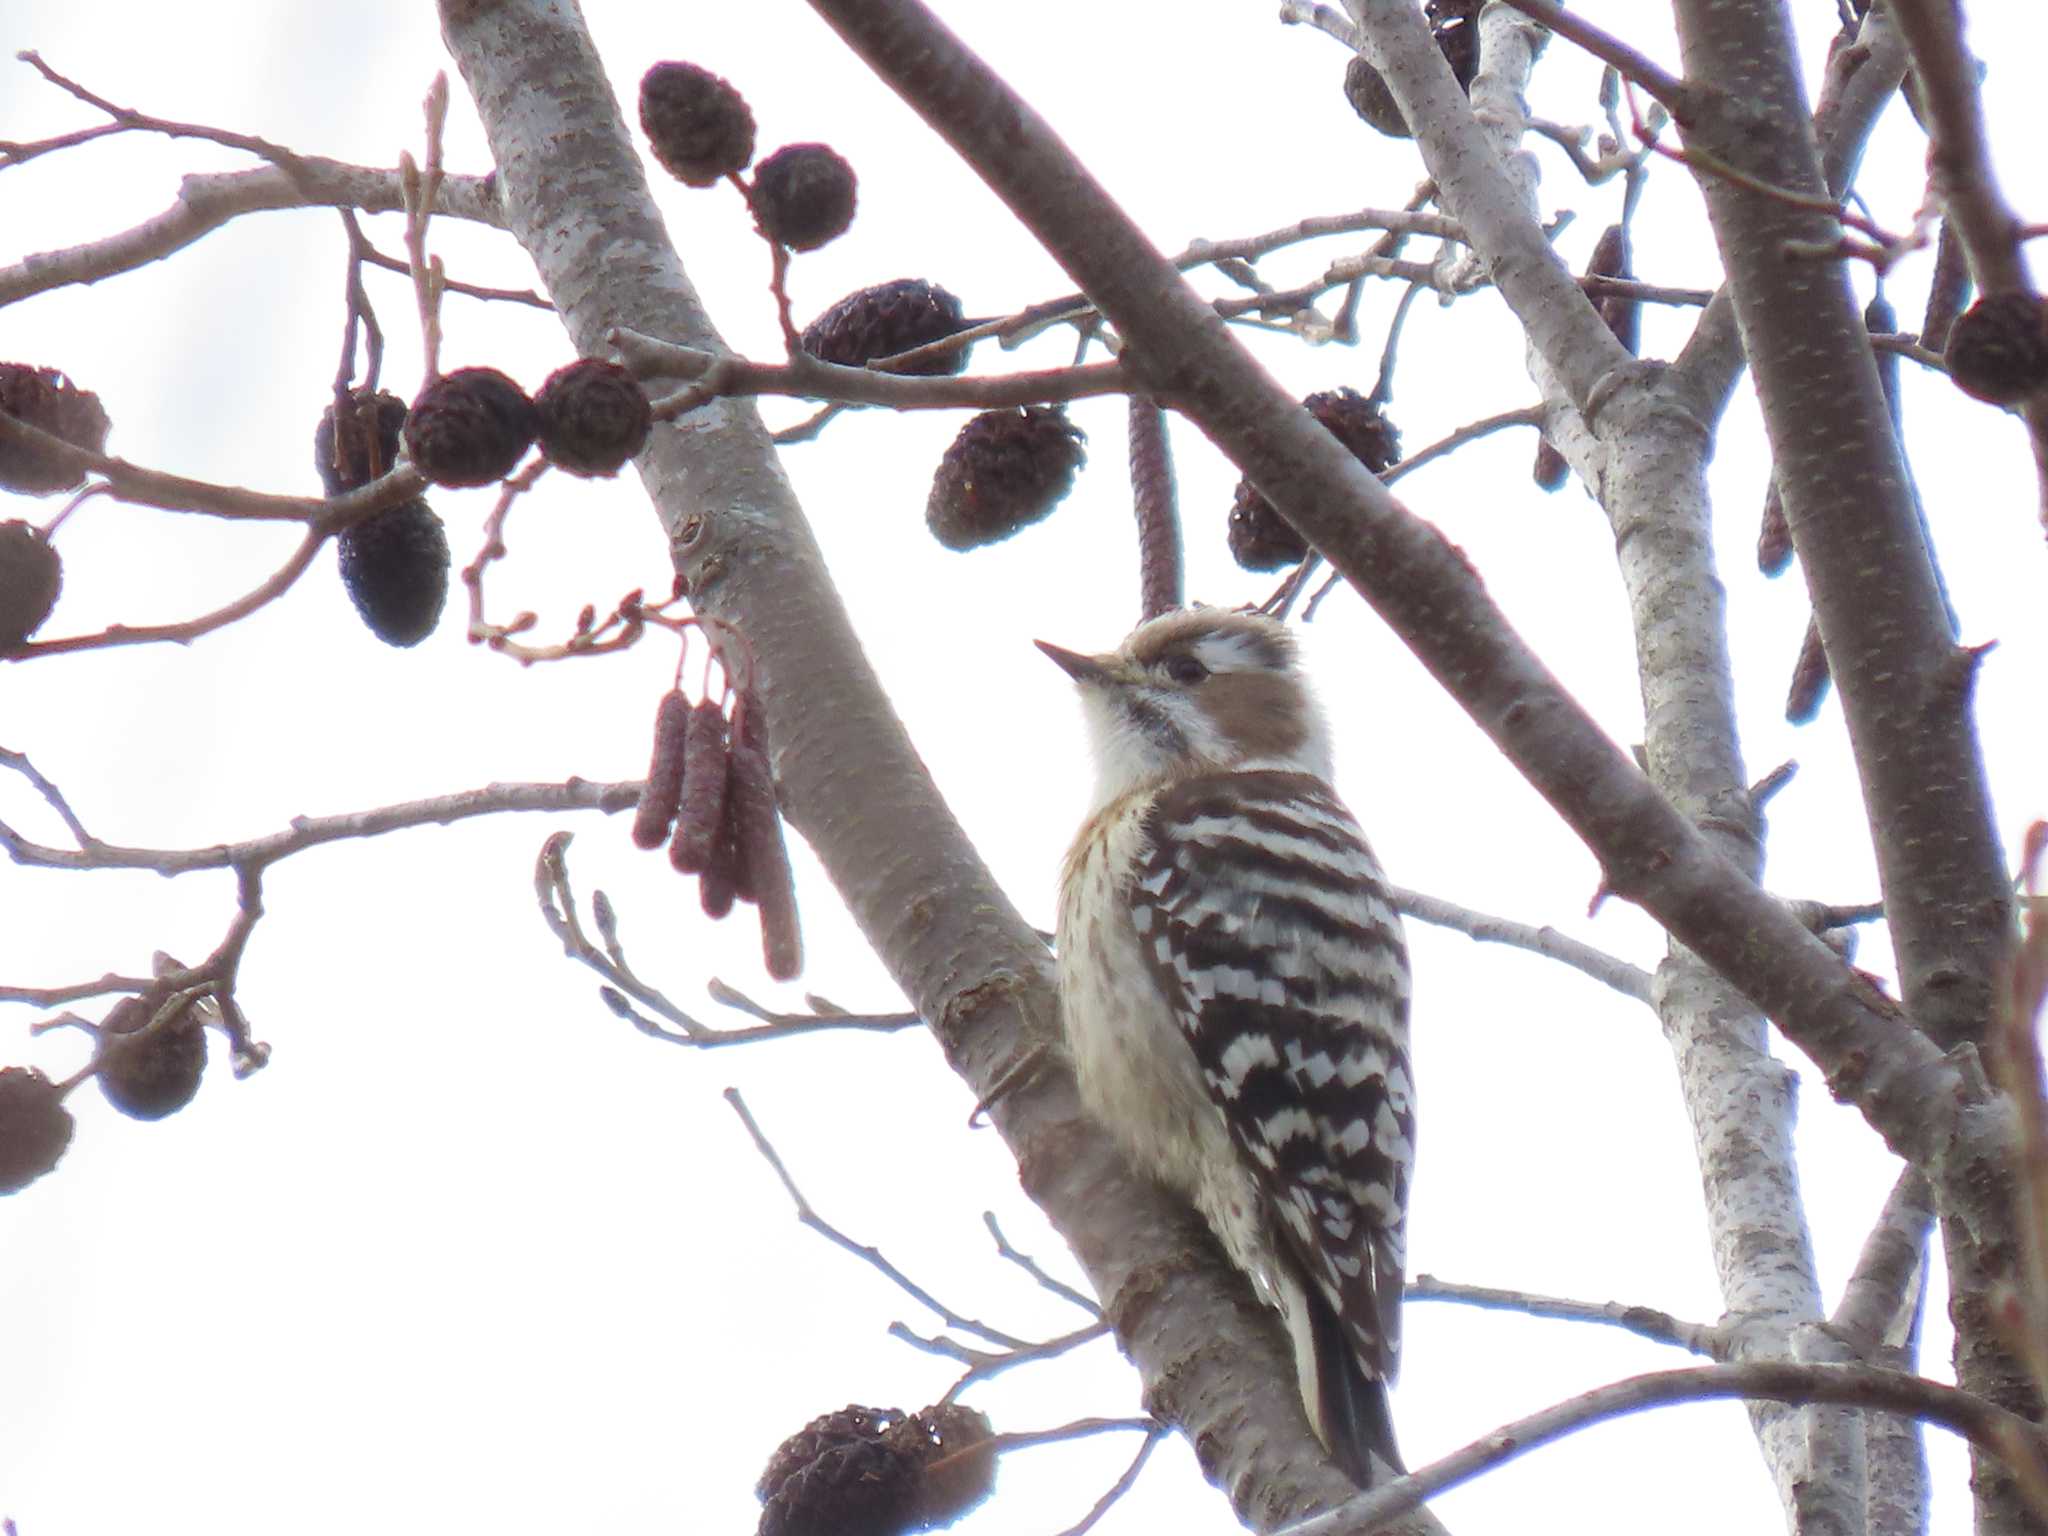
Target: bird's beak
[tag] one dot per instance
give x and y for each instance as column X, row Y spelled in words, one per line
column 1082, row 669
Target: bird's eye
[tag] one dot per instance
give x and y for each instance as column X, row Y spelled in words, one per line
column 1185, row 669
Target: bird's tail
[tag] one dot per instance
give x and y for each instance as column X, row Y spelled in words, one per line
column 1347, row 1406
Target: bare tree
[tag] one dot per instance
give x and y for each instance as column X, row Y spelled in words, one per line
column 1944, row 1071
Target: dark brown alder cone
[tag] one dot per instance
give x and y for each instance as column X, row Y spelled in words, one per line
column 35, row 1127
column 707, row 760
column 877, row 1472
column 1998, row 349
column 663, row 795
column 1260, row 538
column 698, row 125
column 470, row 427
column 764, row 860
column 887, row 319
column 803, row 196
column 150, row 1075
column 1006, row 470
column 46, row 399
column 395, row 566
column 858, row 1488
column 31, row 576
column 1455, row 25
column 365, row 448
column 594, row 416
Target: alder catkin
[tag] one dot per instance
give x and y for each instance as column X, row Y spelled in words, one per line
column 702, row 814
column 664, row 792
column 718, row 886
column 764, row 860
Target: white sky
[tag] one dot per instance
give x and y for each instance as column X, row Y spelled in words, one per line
column 471, row 1252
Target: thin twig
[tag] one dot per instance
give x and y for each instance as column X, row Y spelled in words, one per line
column 138, row 486
column 1006, row 1250
column 312, row 831
column 1644, row 1322
column 422, row 194
column 1120, row 1487
column 1526, row 416
column 1628, row 980
column 624, row 987
column 868, row 1255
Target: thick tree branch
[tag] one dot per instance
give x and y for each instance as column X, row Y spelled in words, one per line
column 1861, row 79
column 1986, row 1426
column 1905, row 684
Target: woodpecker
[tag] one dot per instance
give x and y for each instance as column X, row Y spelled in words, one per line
column 1234, row 992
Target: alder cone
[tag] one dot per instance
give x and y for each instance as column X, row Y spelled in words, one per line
column 698, row 125
column 887, row 319
column 470, row 427
column 803, row 196
column 31, row 576
column 877, row 1472
column 859, row 1488
column 1006, row 470
column 1455, row 25
column 149, row 1076
column 35, row 1127
column 1998, row 348
column 593, row 416
column 1260, row 538
column 367, row 445
column 395, row 566
column 45, row 399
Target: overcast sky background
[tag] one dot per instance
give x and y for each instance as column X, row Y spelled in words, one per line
column 471, row 1253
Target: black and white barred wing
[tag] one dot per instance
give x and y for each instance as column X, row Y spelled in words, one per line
column 1264, row 917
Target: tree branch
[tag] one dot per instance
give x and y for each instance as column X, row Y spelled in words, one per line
column 1630, row 981
column 1986, row 1426
column 205, row 203
column 1644, row 1322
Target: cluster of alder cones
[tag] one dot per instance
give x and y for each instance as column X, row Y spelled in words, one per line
column 147, row 1067
column 466, row 428
column 1007, row 469
column 710, row 797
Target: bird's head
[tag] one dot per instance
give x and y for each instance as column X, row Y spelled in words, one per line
column 1199, row 690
